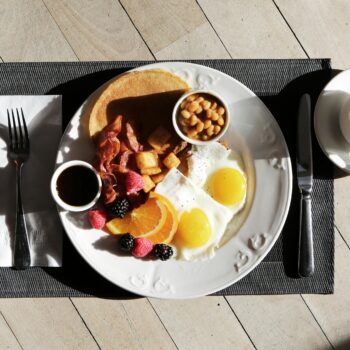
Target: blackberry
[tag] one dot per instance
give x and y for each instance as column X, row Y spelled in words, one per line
column 118, row 208
column 163, row 251
column 126, row 242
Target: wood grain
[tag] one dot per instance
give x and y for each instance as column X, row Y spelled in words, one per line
column 204, row 323
column 28, row 33
column 278, row 321
column 251, row 29
column 98, row 30
column 124, row 324
column 163, row 22
column 333, row 311
column 7, row 338
column 322, row 26
column 201, row 43
column 46, row 323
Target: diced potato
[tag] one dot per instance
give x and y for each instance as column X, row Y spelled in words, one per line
column 159, row 137
column 159, row 177
column 148, row 183
column 146, row 160
column 171, row 161
column 151, row 171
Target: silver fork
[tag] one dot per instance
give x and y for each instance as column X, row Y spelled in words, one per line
column 18, row 153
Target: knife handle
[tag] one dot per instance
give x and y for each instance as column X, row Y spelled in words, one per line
column 306, row 250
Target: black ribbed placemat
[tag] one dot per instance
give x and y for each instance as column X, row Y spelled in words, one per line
column 279, row 83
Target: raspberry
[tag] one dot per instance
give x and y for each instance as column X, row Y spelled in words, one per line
column 97, row 218
column 133, row 182
column 142, row 247
column 163, row 251
column 118, row 208
column 126, row 242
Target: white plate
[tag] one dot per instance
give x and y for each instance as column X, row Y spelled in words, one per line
column 326, row 120
column 267, row 163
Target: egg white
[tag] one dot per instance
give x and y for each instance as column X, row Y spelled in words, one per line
column 185, row 195
column 206, row 159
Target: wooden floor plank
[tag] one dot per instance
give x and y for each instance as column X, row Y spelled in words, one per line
column 322, row 26
column 203, row 323
column 201, row 43
column 28, row 33
column 342, row 206
column 251, row 29
column 333, row 311
column 124, row 324
column 278, row 322
column 98, row 30
column 163, row 22
column 7, row 338
column 46, row 323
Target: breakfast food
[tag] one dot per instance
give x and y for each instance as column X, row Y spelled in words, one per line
column 139, row 95
column 162, row 196
column 201, row 116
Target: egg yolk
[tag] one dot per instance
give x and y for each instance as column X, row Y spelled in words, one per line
column 194, row 229
column 227, row 186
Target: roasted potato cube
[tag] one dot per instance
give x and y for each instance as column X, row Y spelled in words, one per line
column 146, row 160
column 171, row 161
column 159, row 177
column 148, row 183
column 151, row 171
column 159, row 137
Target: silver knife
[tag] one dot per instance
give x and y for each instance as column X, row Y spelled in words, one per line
column 305, row 179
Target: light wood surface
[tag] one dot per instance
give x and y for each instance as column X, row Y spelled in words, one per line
column 70, row 30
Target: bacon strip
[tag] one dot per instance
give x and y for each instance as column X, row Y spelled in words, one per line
column 131, row 138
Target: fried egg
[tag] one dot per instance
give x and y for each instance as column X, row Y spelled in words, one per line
column 219, row 172
column 202, row 220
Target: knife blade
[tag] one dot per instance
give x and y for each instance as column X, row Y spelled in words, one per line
column 305, row 181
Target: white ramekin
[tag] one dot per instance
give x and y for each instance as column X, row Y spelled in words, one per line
column 178, row 128
column 54, row 192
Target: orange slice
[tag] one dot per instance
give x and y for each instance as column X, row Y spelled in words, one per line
column 145, row 220
column 167, row 231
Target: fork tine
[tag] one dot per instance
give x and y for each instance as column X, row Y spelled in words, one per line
column 10, row 128
column 25, row 129
column 21, row 141
column 15, row 144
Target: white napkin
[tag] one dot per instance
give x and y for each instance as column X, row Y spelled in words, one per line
column 43, row 116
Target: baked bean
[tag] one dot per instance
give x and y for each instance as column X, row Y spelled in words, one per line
column 214, row 116
column 193, row 120
column 200, row 126
column 217, row 129
column 206, row 105
column 191, row 98
column 192, row 132
column 210, row 130
column 221, row 111
column 207, row 123
column 198, row 110
column 193, row 106
column 183, row 104
column 214, row 105
column 186, row 114
column 183, row 122
column 221, row 121
column 209, row 113
column 205, row 137
column 200, row 99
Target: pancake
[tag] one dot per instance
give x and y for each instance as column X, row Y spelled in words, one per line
column 147, row 97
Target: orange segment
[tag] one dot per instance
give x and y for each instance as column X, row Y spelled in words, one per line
column 168, row 230
column 145, row 220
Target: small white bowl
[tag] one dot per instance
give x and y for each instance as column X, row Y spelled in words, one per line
column 178, row 128
column 54, row 191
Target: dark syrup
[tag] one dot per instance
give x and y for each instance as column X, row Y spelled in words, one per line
column 77, row 185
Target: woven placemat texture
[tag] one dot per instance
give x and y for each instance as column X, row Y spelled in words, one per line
column 279, row 83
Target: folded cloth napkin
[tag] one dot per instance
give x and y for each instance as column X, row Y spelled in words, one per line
column 43, row 116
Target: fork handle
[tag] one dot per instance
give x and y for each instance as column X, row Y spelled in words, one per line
column 21, row 257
